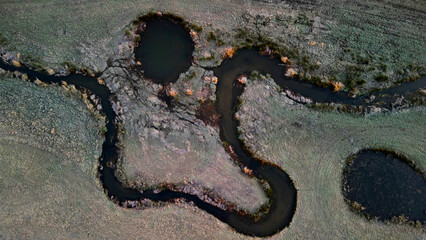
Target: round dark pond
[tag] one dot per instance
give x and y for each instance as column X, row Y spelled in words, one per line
column 385, row 186
column 380, row 182
column 165, row 50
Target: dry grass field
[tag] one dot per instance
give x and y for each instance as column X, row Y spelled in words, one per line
column 50, row 141
column 312, row 147
column 46, row 193
column 364, row 44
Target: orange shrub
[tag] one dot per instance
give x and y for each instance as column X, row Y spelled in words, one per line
column 337, row 86
column 188, row 92
column 229, row 52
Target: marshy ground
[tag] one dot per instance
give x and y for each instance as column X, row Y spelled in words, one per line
column 50, row 190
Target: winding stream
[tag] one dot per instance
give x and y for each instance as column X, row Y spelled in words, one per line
column 282, row 202
column 284, row 194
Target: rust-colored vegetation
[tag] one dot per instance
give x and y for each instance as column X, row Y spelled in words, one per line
column 337, row 86
column 229, row 52
column 207, row 112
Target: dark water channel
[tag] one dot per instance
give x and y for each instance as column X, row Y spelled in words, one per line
column 392, row 195
column 283, row 199
column 386, row 186
column 164, row 53
column 248, row 60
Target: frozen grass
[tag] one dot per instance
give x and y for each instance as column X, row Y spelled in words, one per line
column 312, row 147
column 48, row 184
column 49, row 118
column 47, row 194
column 348, row 41
column 163, row 145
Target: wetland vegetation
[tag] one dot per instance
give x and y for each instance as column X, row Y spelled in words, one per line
column 282, row 197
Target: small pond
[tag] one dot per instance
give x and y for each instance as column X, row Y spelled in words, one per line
column 385, row 186
column 165, row 50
